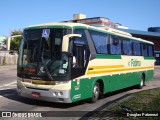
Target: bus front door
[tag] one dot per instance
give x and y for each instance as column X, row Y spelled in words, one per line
column 79, row 60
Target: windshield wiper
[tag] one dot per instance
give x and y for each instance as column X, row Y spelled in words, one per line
column 46, row 68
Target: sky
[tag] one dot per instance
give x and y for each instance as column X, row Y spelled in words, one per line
column 135, row 14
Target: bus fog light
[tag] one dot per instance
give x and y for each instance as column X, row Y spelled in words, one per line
column 61, row 93
column 56, row 93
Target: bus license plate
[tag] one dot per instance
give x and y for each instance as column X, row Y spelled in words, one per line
column 35, row 94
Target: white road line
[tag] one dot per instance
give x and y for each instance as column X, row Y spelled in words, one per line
column 9, row 83
column 5, row 85
column 13, row 85
column 7, row 88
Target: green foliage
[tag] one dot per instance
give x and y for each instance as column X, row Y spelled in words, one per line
column 5, row 41
column 16, row 32
column 147, row 101
column 15, row 41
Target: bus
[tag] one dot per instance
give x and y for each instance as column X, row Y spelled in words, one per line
column 68, row 62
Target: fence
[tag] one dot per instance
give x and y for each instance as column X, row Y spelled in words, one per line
column 8, row 59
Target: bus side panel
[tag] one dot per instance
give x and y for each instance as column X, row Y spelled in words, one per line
column 120, row 81
column 81, row 89
column 106, row 82
column 149, row 75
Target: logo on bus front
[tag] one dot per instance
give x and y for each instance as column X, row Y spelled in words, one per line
column 134, row 63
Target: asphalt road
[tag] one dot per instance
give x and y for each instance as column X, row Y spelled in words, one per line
column 10, row 101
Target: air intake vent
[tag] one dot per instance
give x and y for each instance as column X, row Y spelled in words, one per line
column 37, row 88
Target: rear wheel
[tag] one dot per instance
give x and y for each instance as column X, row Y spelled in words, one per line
column 95, row 93
column 141, row 84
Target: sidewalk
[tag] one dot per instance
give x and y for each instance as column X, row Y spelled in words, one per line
column 7, row 67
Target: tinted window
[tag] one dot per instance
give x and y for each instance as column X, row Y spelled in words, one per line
column 100, row 41
column 115, row 45
column 136, row 49
column 127, row 49
column 82, row 39
column 150, row 50
column 144, row 49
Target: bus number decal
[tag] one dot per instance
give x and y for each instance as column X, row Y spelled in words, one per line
column 77, row 96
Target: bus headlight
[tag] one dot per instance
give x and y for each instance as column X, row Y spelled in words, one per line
column 57, row 93
column 61, row 93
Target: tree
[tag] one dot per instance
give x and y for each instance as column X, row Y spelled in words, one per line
column 15, row 41
column 5, row 41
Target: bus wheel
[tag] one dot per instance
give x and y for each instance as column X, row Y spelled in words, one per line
column 140, row 86
column 95, row 93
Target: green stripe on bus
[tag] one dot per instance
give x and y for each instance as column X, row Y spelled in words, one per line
column 149, row 58
column 103, row 56
column 78, row 27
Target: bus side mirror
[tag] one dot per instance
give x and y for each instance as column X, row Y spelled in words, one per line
column 65, row 41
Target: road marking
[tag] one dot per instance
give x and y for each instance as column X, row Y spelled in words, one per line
column 13, row 85
column 7, row 88
column 5, row 85
column 9, row 83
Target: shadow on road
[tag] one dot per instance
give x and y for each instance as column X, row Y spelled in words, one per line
column 98, row 113
column 12, row 95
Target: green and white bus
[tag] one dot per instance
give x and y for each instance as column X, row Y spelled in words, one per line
column 69, row 62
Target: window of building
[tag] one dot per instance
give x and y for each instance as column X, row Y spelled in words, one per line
column 100, row 41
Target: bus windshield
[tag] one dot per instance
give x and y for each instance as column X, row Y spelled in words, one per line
column 40, row 53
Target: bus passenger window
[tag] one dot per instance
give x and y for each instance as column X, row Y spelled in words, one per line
column 115, row 45
column 150, row 50
column 127, row 50
column 144, row 50
column 136, row 49
column 100, row 41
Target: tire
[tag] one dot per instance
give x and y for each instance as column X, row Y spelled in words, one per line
column 141, row 84
column 95, row 93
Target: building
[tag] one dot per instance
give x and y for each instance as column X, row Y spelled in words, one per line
column 2, row 39
column 95, row 21
column 2, row 45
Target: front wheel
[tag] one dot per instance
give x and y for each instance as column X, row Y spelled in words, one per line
column 95, row 93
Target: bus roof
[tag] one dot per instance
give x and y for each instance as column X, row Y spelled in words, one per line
column 80, row 25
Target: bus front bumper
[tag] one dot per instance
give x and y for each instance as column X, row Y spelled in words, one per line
column 61, row 96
